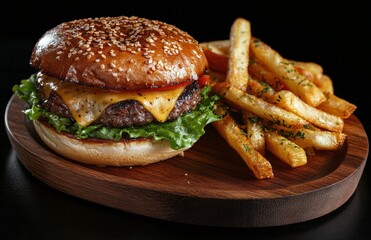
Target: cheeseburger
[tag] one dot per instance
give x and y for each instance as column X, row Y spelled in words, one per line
column 118, row 91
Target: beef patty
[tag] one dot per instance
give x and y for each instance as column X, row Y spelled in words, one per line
column 126, row 113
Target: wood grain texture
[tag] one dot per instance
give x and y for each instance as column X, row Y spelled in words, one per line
column 210, row 185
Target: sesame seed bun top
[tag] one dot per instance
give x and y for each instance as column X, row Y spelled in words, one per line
column 119, row 53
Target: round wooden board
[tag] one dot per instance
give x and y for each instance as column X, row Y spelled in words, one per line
column 210, row 185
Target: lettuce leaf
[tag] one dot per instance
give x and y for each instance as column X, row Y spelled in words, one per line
column 181, row 133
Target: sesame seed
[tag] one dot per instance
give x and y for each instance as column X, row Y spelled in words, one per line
column 102, row 66
column 159, row 65
column 149, row 39
column 112, row 52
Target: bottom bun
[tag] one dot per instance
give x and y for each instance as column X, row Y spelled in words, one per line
column 106, row 152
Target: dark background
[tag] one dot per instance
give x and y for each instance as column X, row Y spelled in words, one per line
column 335, row 34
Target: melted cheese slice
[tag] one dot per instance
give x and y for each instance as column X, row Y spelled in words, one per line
column 87, row 104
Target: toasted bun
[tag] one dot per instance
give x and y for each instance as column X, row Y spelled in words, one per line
column 105, row 152
column 119, row 53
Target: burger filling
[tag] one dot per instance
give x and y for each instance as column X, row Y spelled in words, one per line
column 177, row 114
column 171, row 103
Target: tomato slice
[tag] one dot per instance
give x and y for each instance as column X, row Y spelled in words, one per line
column 204, row 81
column 167, row 88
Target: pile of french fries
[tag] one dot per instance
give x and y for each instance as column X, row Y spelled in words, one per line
column 270, row 103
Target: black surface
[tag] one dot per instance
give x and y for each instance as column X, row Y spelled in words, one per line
column 335, row 34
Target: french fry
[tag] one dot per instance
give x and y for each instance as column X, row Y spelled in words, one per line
column 287, row 73
column 259, row 89
column 262, row 74
column 254, row 130
column 326, row 85
column 337, row 106
column 320, row 140
column 240, row 35
column 256, row 162
column 289, row 101
column 284, row 149
column 312, row 71
column 258, row 106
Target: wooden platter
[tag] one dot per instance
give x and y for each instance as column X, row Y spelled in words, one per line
column 210, row 185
